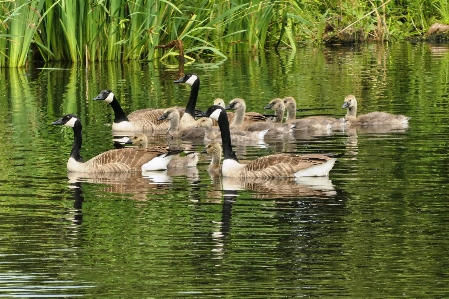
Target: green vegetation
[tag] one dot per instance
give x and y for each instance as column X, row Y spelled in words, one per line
column 99, row 30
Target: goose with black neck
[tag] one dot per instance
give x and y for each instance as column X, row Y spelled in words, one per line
column 116, row 160
column 271, row 166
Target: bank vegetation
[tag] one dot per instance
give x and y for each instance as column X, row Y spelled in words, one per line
column 121, row 30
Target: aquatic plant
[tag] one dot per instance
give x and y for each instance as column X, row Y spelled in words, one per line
column 119, row 30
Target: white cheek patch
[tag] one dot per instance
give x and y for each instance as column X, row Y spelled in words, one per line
column 192, row 80
column 110, row 97
column 216, row 114
column 71, row 122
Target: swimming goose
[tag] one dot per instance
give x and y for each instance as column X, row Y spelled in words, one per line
column 249, row 121
column 278, row 165
column 278, row 106
column 139, row 120
column 214, row 149
column 190, row 160
column 311, row 123
column 117, row 160
column 188, row 119
column 174, row 130
column 373, row 118
column 147, row 119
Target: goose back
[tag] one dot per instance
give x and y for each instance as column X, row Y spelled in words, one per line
column 319, row 124
column 139, row 120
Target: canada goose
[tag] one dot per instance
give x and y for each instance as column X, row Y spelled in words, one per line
column 188, row 119
column 190, row 160
column 311, row 123
column 214, row 149
column 212, row 133
column 373, row 118
column 249, row 121
column 172, row 114
column 118, row 160
column 278, row 165
column 139, row 120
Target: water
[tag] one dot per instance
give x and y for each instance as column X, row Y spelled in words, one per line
column 377, row 227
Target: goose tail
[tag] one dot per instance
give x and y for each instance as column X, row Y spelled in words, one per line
column 317, row 170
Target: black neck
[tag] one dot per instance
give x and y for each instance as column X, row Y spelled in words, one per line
column 223, row 123
column 77, row 141
column 190, row 108
column 118, row 111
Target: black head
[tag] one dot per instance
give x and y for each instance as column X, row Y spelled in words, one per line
column 188, row 79
column 214, row 112
column 103, row 95
column 67, row 120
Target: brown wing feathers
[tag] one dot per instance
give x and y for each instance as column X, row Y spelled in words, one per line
column 123, row 160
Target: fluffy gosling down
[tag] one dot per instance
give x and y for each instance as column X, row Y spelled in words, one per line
column 213, row 133
column 214, row 150
column 117, row 160
column 372, row 118
column 271, row 166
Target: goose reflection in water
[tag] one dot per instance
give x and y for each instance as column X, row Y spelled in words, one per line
column 139, row 185
column 76, row 215
column 281, row 187
column 120, row 183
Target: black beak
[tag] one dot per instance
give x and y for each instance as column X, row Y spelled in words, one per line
column 163, row 116
column 57, row 122
column 267, row 106
column 180, row 80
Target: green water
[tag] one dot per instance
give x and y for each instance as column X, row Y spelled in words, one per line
column 377, row 227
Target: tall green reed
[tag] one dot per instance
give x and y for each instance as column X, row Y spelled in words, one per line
column 120, row 30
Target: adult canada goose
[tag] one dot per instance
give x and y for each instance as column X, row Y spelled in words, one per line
column 278, row 165
column 190, row 160
column 118, row 160
column 214, row 149
column 147, row 119
column 311, row 123
column 174, row 130
column 188, row 119
column 139, row 120
column 213, row 133
column 249, row 121
column 373, row 118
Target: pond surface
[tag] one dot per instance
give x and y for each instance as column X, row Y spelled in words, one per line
column 377, row 227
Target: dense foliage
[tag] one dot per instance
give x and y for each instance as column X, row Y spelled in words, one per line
column 100, row 30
